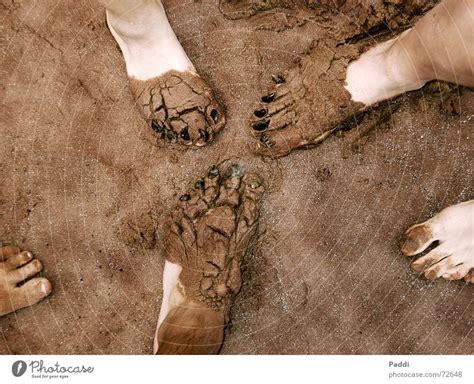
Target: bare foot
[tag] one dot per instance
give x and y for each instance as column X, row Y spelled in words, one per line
column 209, row 234
column 176, row 103
column 15, row 268
column 453, row 257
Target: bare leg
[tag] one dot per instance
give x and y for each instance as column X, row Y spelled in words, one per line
column 172, row 98
column 440, row 46
column 15, row 268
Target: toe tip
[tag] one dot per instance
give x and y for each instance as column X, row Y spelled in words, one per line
column 45, row 287
column 415, row 240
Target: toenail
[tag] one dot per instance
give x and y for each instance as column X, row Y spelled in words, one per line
column 185, row 134
column 235, row 170
column 213, row 172
column 185, row 197
column 199, row 184
column 261, row 126
column 214, row 115
column 156, row 127
column 204, row 134
column 278, row 79
column 28, row 255
column 260, row 112
column 268, row 98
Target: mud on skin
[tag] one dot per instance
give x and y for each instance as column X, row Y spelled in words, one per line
column 309, row 101
column 209, row 233
column 180, row 108
column 358, row 17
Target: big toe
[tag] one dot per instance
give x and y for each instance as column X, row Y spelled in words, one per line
column 30, row 293
column 416, row 239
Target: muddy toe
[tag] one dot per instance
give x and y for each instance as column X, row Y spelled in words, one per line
column 180, row 108
column 416, row 239
column 30, row 269
column 451, row 267
column 451, row 231
column 18, row 260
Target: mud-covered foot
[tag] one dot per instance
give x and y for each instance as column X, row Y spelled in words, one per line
column 453, row 257
column 209, row 234
column 308, row 102
column 332, row 88
column 173, row 99
column 17, row 290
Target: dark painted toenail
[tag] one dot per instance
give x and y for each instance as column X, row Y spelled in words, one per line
column 235, row 170
column 185, row 134
column 185, row 198
column 269, row 98
column 214, row 115
column 278, row 79
column 266, row 141
column 204, row 134
column 260, row 112
column 261, row 126
column 171, row 135
column 213, row 172
column 156, row 127
column 199, row 184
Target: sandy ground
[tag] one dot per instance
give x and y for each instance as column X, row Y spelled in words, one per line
column 85, row 188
